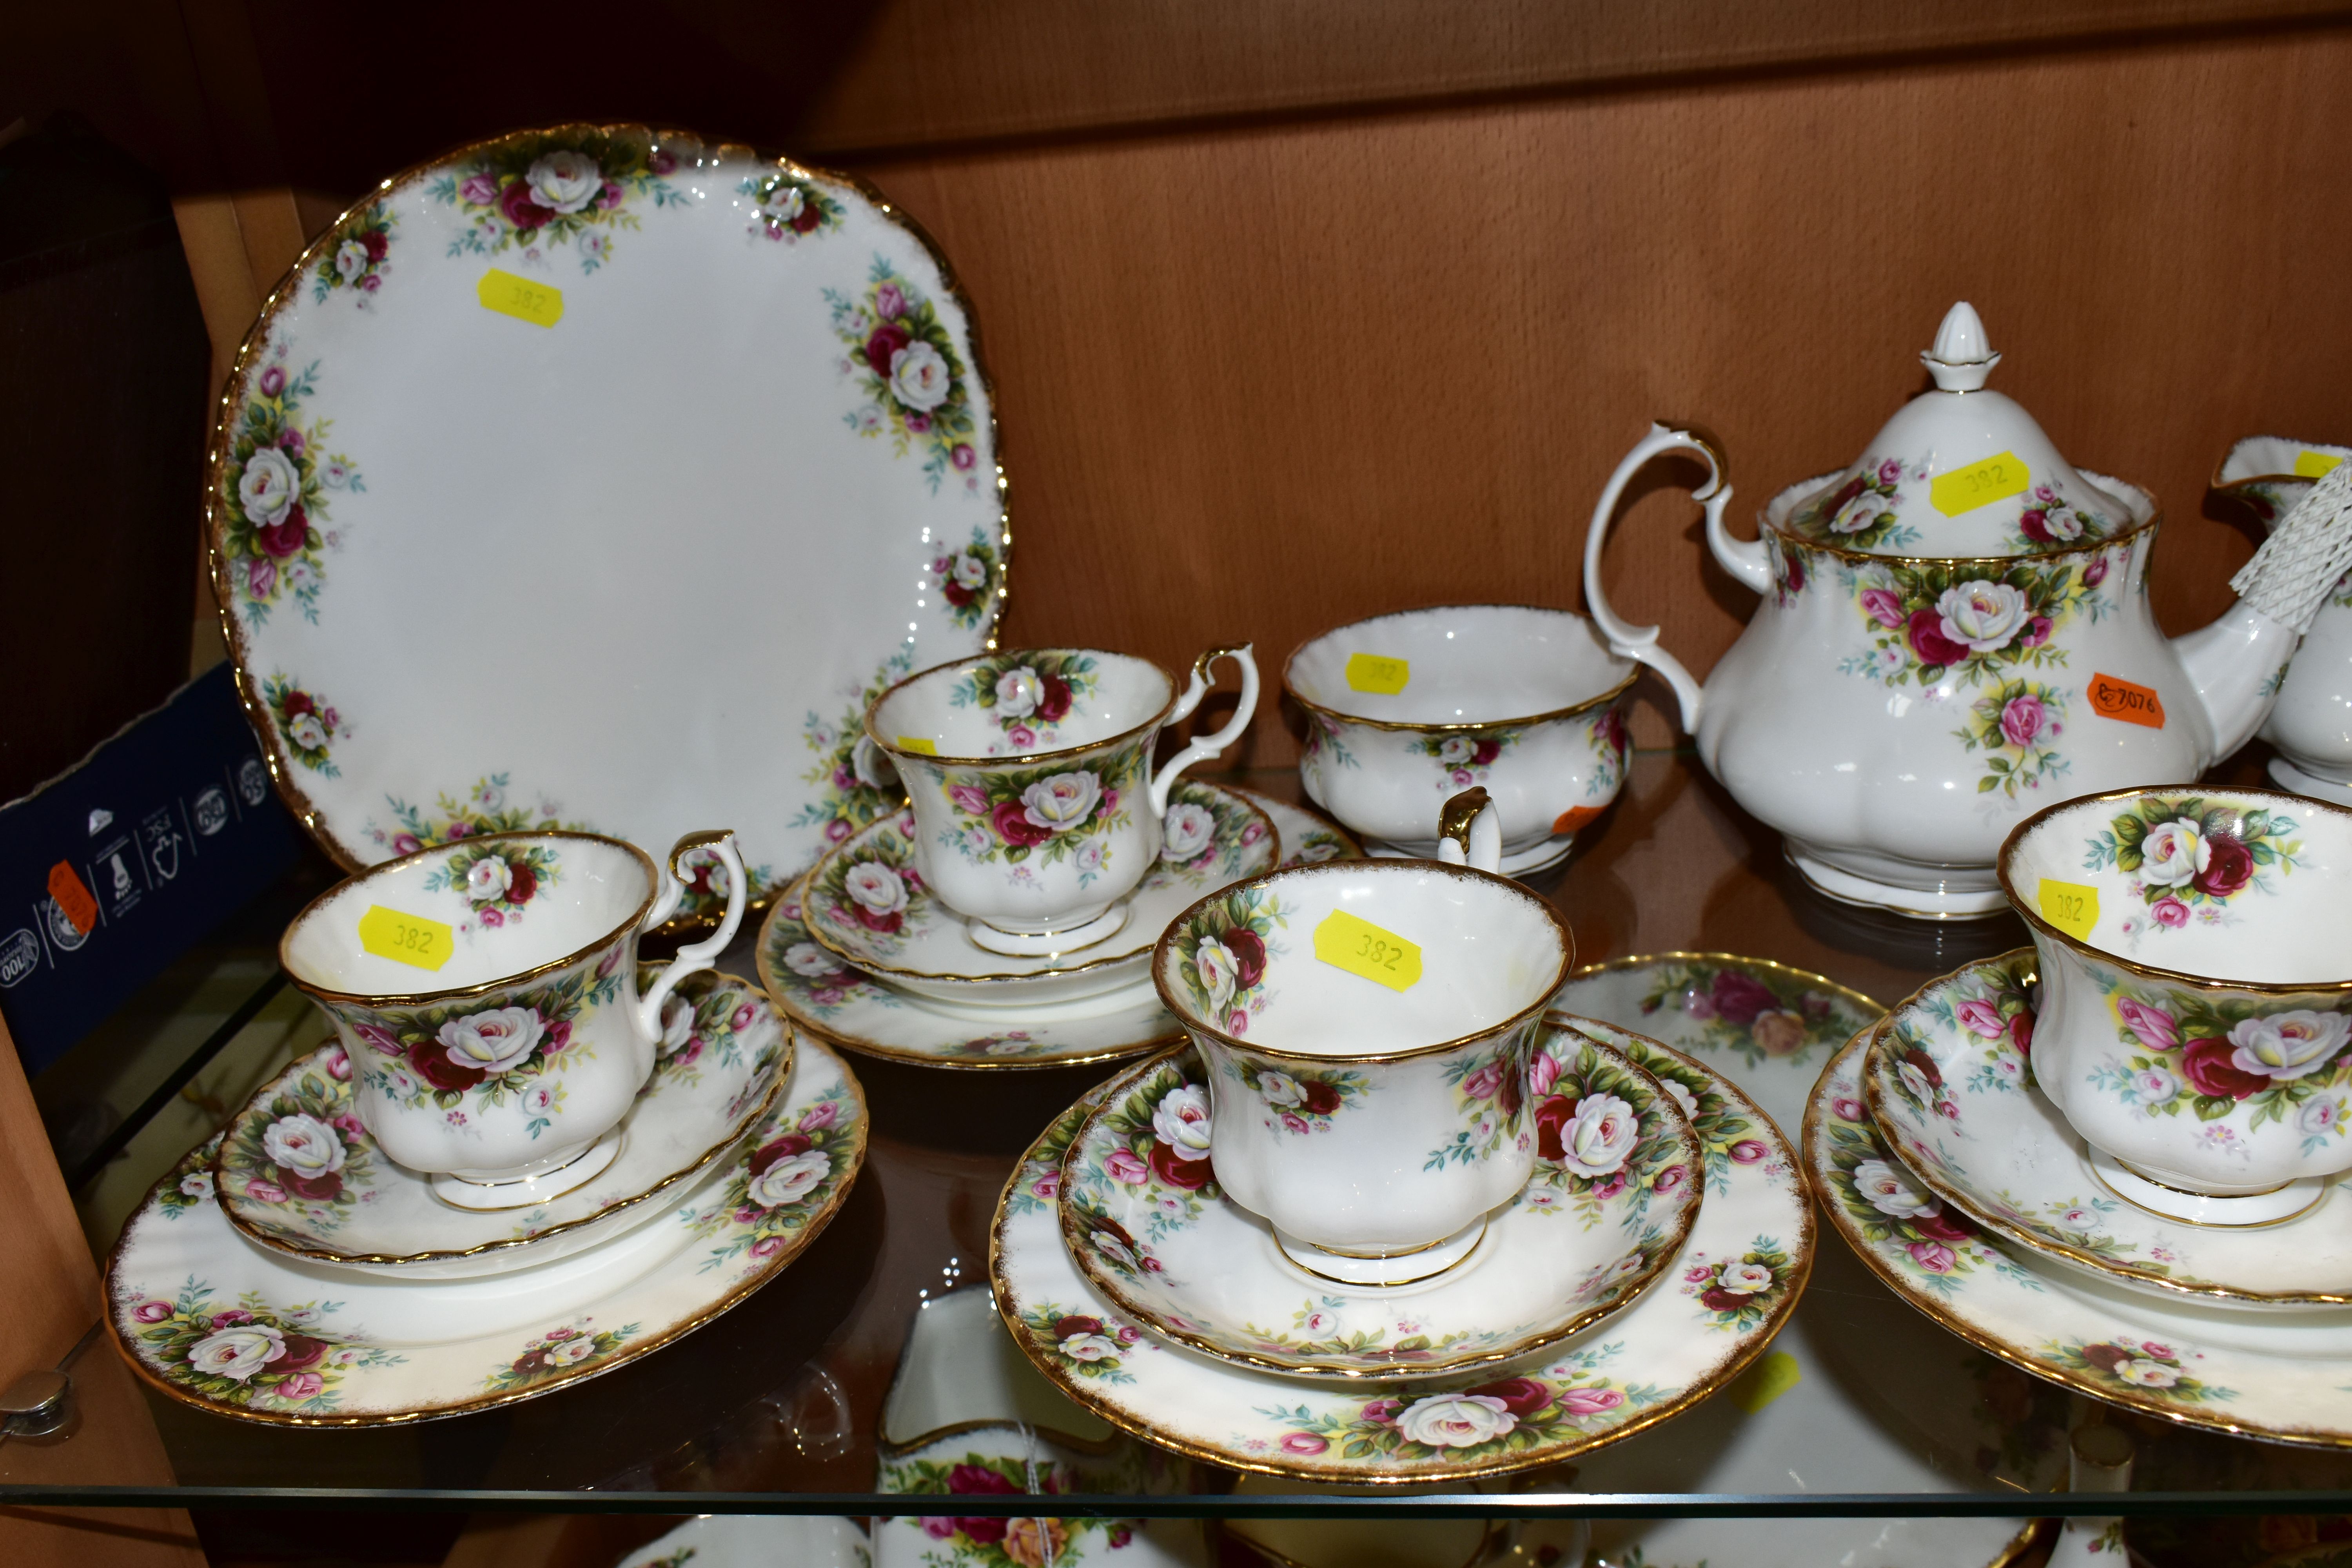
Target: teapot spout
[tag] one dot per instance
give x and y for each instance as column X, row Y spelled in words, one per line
column 2237, row 664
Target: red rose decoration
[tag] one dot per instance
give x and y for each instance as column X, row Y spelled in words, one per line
column 2230, row 867
column 1190, row 1175
column 1105, row 1226
column 521, row 882
column 887, row 924
column 1943, row 1227
column 1928, row 641
column 957, row 594
column 557, row 1035
column 520, row 209
column 1722, row 1300
column 324, row 1187
column 287, row 536
column 1796, row 571
column 1511, row 1093
column 1066, row 1328
column 807, row 218
column 1319, row 1096
column 375, row 242
column 299, row 703
column 1055, row 704
column 1846, row 493
column 969, row 1479
column 2106, row 1358
column 1925, row 1065
column 1248, row 948
column 1522, row 1396
column 1011, row 819
column 1551, row 1116
column 301, row 1351
column 2034, row 526
column 1487, row 750
column 783, row 1148
column 887, row 340
column 1741, row 997
column 2207, row 1065
column 2021, row 1032
column 433, row 1064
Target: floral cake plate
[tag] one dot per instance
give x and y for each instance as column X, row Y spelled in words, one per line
column 298, row 1173
column 867, row 905
column 428, row 496
column 235, row 1329
column 1615, row 1193
column 1948, row 1079
column 2280, row 1374
column 1670, row 1350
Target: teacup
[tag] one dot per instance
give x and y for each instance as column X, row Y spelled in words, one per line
column 2195, row 1021
column 1030, row 776
column 1374, row 1122
column 486, row 993
column 1405, row 710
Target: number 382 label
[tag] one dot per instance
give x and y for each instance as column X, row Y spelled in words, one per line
column 1357, row 945
column 405, row 938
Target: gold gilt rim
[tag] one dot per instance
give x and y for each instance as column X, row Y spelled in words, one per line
column 833, row 1037
column 2230, row 487
column 1026, row 759
column 1694, row 1157
column 289, row 291
column 816, row 932
column 622, row 1355
column 1822, row 982
column 254, row 1233
column 1467, row 726
column 1184, row 1016
column 1737, row 1362
column 1990, row 1343
column 2013, row 846
column 1765, row 524
column 1874, row 1097
column 480, row 988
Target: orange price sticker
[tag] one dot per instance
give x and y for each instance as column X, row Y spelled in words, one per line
column 72, row 898
column 2316, row 464
column 2126, row 700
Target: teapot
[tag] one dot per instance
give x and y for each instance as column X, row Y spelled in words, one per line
column 1953, row 633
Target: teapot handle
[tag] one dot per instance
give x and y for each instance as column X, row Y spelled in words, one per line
column 1744, row 559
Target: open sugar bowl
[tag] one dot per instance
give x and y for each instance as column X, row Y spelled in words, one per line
column 2196, row 1005
column 1405, row 710
column 1366, row 1025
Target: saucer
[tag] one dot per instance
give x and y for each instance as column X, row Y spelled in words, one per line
column 1987, row 1142
column 845, row 1006
column 2276, row 1375
column 215, row 1322
column 1525, row 862
column 718, row 1068
column 1670, row 1350
column 867, row 905
column 1770, row 1027
column 1577, row 1245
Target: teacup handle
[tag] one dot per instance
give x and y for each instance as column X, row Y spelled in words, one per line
column 1470, row 832
column 1744, row 559
column 695, row 957
column 1206, row 746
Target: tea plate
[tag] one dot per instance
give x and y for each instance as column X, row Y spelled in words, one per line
column 431, row 491
column 823, row 996
column 2279, row 1375
column 298, row 1173
column 1947, row 1080
column 1670, row 1350
column 1155, row 1234
column 215, row 1322
column 866, row 904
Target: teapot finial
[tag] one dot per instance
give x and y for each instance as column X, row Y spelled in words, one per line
column 1963, row 357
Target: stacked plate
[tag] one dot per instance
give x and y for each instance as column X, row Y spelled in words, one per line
column 908, row 982
column 287, row 1271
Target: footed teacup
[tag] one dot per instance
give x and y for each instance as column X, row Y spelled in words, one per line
column 1367, row 1027
column 1403, row 711
column 486, row 991
column 2196, row 1004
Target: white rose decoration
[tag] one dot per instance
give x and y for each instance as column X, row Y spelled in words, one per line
column 872, row 765
column 1213, row 963
column 1858, row 513
column 1018, row 692
column 198, row 1184
column 2147, row 1373
column 1064, row 801
column 876, row 887
column 1279, row 1088
column 1180, row 1120
column 1090, row 1347
column 302, row 1144
column 1600, row 1137
column 919, row 377
column 1683, row 1097
column 810, row 962
column 488, row 880
column 570, row 1352
column 238, row 1353
column 267, row 487
column 2288, row 1045
column 2156, row 1086
column 971, row 572
column 495, row 1040
column 784, row 204
column 2062, row 522
column 1456, row 1421
column 1455, row 749
column 307, row 732
column 351, row 259
column 1745, row 1279
column 678, row 1020
column 1186, row 830
column 790, row 1179
column 564, row 181
column 2173, row 852
column 1985, row 615
column 1889, row 1194
column 2322, row 1115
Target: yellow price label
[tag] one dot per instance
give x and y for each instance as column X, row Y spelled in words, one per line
column 1371, row 672
column 2315, row 465
column 405, row 938
column 2070, row 906
column 917, row 744
column 541, row 304
column 1765, row 1382
column 1355, row 944
column 1996, row 478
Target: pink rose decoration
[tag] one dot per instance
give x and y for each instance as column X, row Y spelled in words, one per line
column 339, row 1066
column 2037, row 632
column 1482, row 1084
column 1048, row 1185
column 820, row 1115
column 407, row 844
column 1237, row 1022
column 1982, row 1018
column 1932, row 1256
column 1542, row 1073
column 2153, row 1026
column 231, row 1318
column 481, row 190
column 767, row 1246
column 1847, row 1109
column 1747, row 1152
column 302, row 1385
column 1125, row 1166
column 1302, row 1443
column 152, row 1311
column 743, row 1016
column 273, row 381
column 2170, row 912
column 2096, row 572
column 1296, row 1122
column 261, row 578
column 969, row 799
column 1590, row 1401
column 264, row 1192
column 1382, row 1411
column 889, row 302
column 964, row 456
column 2021, row 719
column 1884, row 606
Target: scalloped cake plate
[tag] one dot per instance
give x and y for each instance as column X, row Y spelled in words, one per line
column 1676, row 1344
column 597, row 478
column 218, row 1322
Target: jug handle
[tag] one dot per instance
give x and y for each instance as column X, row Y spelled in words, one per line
column 1745, row 559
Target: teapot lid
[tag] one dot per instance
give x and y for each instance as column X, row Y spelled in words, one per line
column 1958, row 472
